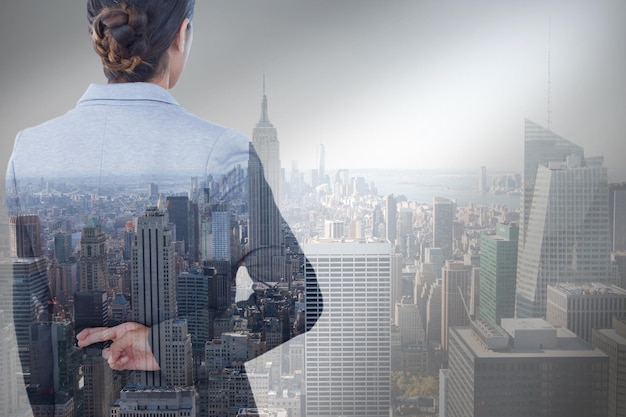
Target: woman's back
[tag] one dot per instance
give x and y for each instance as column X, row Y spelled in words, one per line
column 127, row 130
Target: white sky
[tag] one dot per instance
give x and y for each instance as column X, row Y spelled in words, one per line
column 400, row 83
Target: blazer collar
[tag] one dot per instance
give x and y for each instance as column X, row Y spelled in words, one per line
column 126, row 92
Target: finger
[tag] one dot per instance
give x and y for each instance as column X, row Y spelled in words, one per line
column 86, row 332
column 118, row 364
column 97, row 334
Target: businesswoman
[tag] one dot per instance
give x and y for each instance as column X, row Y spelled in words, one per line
column 132, row 131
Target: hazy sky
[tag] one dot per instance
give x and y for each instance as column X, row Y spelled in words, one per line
column 411, row 84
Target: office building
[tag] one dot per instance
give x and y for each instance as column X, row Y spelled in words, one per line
column 25, row 236
column 482, row 179
column 56, row 372
column 129, row 235
column 409, row 323
column 24, row 294
column 564, row 231
column 566, row 228
column 193, row 300
column 584, row 307
column 101, row 384
column 154, row 300
column 334, row 229
column 456, row 286
column 541, row 146
column 397, row 273
column 498, row 260
column 45, row 405
column 93, row 258
column 612, row 341
column 63, row 247
column 443, row 224
column 139, row 401
column 321, row 163
column 348, row 351
column 12, row 394
column 153, row 191
column 90, row 310
column 221, row 232
column 433, row 314
column 617, row 216
column 178, row 214
column 265, row 243
column 391, row 219
column 524, row 368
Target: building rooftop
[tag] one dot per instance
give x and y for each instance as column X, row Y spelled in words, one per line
column 566, row 343
column 613, row 335
column 589, row 288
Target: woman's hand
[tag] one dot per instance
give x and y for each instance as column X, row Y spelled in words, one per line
column 130, row 349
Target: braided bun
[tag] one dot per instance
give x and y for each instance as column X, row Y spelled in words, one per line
column 118, row 36
column 132, row 36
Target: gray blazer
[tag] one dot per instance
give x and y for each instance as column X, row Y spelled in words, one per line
column 97, row 160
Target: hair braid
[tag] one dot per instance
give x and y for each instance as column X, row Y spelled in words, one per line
column 119, row 39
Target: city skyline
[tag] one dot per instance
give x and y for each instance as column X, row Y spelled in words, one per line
column 460, row 77
column 417, row 260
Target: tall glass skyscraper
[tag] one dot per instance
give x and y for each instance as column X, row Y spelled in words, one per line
column 566, row 224
column 498, row 272
column 541, row 146
column 443, row 223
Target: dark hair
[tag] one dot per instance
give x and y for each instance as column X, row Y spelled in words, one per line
column 132, row 36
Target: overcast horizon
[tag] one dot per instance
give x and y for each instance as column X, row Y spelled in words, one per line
column 399, row 84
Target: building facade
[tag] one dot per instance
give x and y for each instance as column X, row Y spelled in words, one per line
column 498, row 260
column 266, row 242
column 566, row 233
column 443, row 224
column 612, row 341
column 584, row 307
column 525, row 368
column 348, row 351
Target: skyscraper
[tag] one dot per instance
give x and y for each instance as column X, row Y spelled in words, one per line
column 391, row 219
column 321, row 163
column 154, row 299
column 482, row 179
column 24, row 293
column 617, row 216
column 93, row 257
column 10, row 378
column 498, row 263
column 456, row 285
column 265, row 141
column 56, row 362
column 178, row 214
column 91, row 310
column 221, row 232
column 192, row 296
column 443, row 223
column 62, row 247
column 348, row 352
column 541, row 146
column 266, row 257
column 566, row 225
column 25, row 236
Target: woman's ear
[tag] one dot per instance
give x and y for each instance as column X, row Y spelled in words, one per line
column 182, row 36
